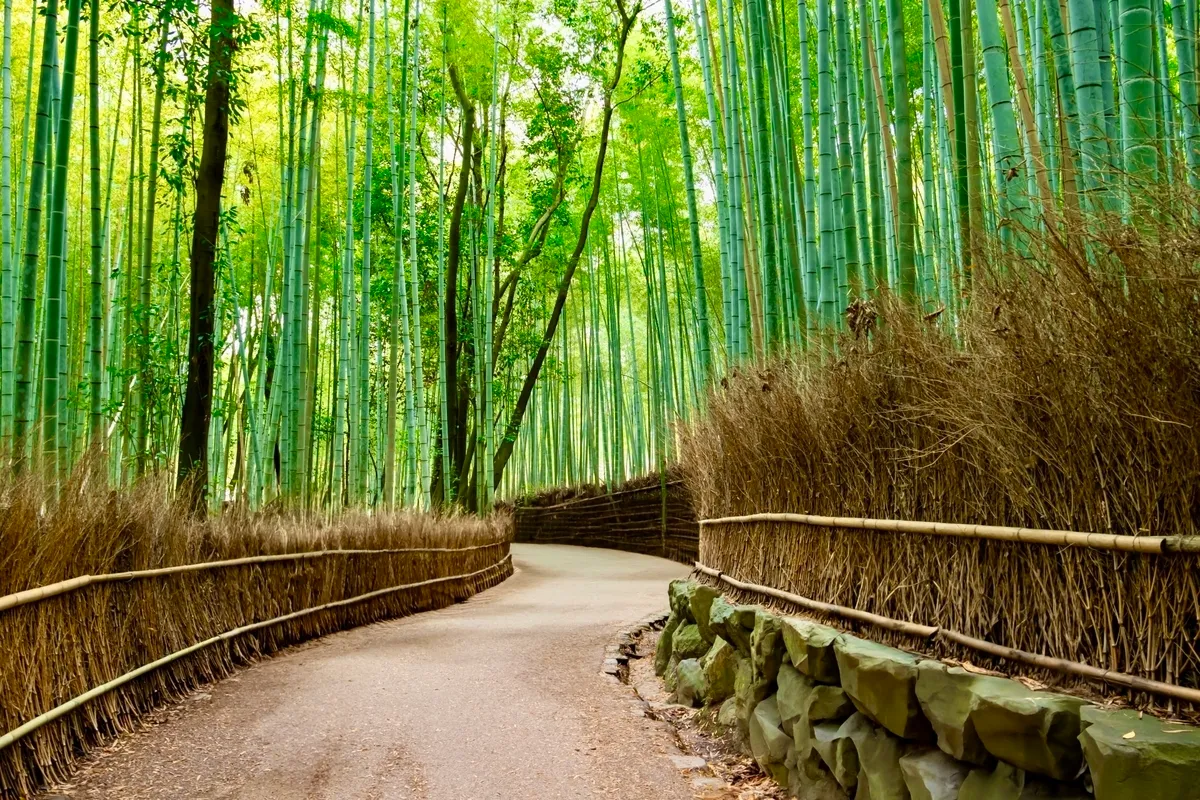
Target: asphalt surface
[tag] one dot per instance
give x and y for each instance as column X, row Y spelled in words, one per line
column 498, row 697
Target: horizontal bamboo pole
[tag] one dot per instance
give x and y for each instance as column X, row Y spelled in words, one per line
column 910, row 628
column 1153, row 545
column 74, row 584
column 62, row 710
column 927, row 632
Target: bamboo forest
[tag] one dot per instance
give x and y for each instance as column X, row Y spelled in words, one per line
column 418, row 253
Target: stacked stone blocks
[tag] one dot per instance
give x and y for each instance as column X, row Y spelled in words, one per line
column 833, row 716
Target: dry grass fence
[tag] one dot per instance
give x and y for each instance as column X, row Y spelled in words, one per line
column 1067, row 398
column 57, row 649
column 652, row 515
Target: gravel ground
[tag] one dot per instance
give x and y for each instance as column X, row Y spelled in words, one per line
column 499, row 697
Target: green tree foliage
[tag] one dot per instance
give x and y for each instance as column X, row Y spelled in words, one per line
column 458, row 247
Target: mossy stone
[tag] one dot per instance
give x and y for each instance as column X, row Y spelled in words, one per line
column 688, row 643
column 727, row 713
column 810, row 646
column 680, row 592
column 1007, row 782
column 835, row 744
column 947, row 696
column 1160, row 760
column 1036, row 731
column 930, row 774
column 732, row 623
column 690, row 684
column 766, row 645
column 671, row 676
column 828, row 703
column 699, row 605
column 720, row 670
column 879, row 774
column 882, row 681
column 768, row 743
column 749, row 692
column 793, row 694
column 822, row 787
column 662, row 654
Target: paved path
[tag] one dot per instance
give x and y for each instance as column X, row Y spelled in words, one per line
column 499, row 697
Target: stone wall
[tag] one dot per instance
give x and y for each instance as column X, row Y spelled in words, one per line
column 833, row 716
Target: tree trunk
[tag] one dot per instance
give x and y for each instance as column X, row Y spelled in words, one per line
column 197, row 401
column 456, row 431
column 514, row 424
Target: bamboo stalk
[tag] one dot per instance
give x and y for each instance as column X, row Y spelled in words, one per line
column 63, row 709
column 73, row 584
column 1153, row 545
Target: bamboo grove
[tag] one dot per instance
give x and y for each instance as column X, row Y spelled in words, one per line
column 414, row 252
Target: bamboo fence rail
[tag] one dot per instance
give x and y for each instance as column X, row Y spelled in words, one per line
column 170, row 605
column 927, row 632
column 1155, row 545
column 656, row 519
column 74, row 584
column 63, row 709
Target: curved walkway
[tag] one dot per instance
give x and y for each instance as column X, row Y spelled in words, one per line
column 499, row 697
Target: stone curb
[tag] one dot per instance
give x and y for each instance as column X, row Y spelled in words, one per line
column 624, row 646
column 617, row 654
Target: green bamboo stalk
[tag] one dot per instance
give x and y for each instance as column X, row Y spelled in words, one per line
column 704, row 351
column 811, row 290
column 1009, row 161
column 1139, row 117
column 825, row 145
column 1183, row 22
column 849, row 234
column 145, row 282
column 1089, row 93
column 399, row 322
column 26, row 116
column 928, row 121
column 1163, row 94
column 25, row 324
column 705, row 47
column 360, row 454
column 95, row 335
column 56, row 257
column 443, row 389
column 345, row 402
column 905, row 211
column 7, row 273
column 757, row 72
column 1067, row 101
column 422, row 456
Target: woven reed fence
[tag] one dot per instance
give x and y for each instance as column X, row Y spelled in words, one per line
column 1127, row 612
column 1064, row 396
column 646, row 515
column 60, row 647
